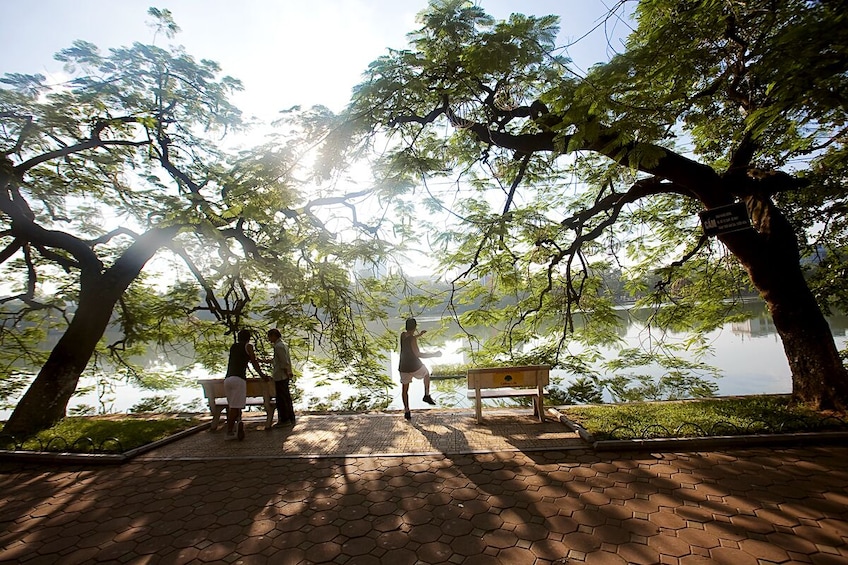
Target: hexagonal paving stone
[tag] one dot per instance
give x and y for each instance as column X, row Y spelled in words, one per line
column 554, row 505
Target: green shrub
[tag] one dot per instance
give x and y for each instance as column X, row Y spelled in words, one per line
column 695, row 418
column 111, row 434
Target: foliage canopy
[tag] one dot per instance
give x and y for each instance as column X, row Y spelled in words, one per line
column 551, row 178
column 125, row 163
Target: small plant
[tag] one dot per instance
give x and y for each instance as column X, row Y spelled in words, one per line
column 446, row 371
column 362, row 402
column 584, row 390
column 159, row 404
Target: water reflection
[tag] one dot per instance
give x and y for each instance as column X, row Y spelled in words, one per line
column 749, row 356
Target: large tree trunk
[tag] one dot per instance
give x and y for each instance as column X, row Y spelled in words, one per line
column 46, row 400
column 770, row 255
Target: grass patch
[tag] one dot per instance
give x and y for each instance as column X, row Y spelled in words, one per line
column 702, row 418
column 103, row 434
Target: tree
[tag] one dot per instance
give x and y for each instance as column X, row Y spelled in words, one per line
column 123, row 162
column 710, row 104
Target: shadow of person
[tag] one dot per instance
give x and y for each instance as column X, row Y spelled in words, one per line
column 442, row 433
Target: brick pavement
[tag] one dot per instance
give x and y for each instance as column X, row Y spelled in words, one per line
column 539, row 505
column 429, row 432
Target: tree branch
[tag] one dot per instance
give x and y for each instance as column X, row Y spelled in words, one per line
column 10, row 249
column 71, row 149
column 699, row 180
column 112, row 234
column 429, row 118
column 25, row 129
column 611, row 204
column 661, row 285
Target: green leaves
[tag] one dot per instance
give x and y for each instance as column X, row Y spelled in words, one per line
column 164, row 22
column 81, row 54
column 27, row 85
column 549, row 181
column 121, row 171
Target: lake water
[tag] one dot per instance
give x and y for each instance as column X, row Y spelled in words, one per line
column 749, row 355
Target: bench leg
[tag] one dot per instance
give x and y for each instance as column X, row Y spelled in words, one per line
column 216, row 416
column 269, row 415
column 478, row 403
column 539, row 405
column 270, row 402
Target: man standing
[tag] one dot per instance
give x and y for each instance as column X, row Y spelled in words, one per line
column 235, row 383
column 410, row 365
column 282, row 374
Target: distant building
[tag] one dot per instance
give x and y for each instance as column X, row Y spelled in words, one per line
column 757, row 326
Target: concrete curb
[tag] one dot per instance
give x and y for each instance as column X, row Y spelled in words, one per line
column 702, row 443
column 650, row 444
column 722, row 442
column 573, row 426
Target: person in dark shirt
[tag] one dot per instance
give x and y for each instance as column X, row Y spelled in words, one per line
column 410, row 365
column 235, row 383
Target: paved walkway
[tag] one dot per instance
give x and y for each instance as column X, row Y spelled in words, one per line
column 429, row 432
column 424, row 492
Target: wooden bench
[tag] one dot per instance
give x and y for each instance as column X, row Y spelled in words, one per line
column 508, row 382
column 259, row 393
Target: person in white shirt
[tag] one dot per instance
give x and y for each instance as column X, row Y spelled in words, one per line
column 282, row 374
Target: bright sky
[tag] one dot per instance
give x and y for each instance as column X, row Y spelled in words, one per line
column 286, row 52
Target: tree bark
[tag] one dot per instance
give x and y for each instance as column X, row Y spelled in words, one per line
column 46, row 400
column 770, row 256
column 769, row 253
